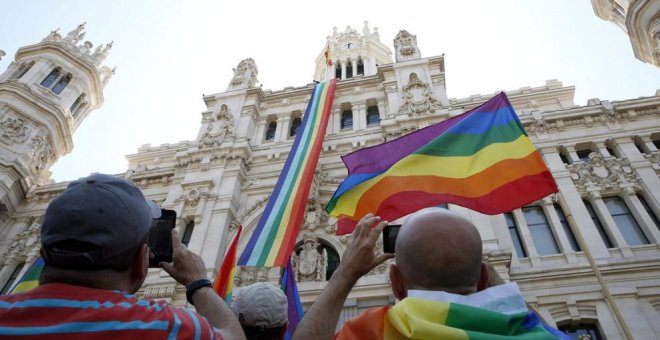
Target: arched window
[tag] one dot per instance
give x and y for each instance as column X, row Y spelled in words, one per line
column 270, row 132
column 338, row 70
column 349, row 69
column 12, row 278
column 373, row 116
column 51, row 77
column 347, row 119
column 22, row 70
column 187, row 234
column 360, row 67
column 76, row 104
column 333, row 260
column 64, row 81
column 295, row 124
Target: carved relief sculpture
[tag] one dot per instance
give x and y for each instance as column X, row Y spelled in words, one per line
column 310, row 264
column 245, row 75
column 14, row 129
column 219, row 129
column 405, row 45
column 417, row 98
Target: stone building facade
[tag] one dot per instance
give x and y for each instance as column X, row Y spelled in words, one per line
column 587, row 258
column 640, row 19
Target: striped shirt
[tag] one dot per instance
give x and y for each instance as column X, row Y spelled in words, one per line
column 58, row 311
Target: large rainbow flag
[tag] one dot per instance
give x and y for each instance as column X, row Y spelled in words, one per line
column 481, row 160
column 274, row 237
column 224, row 282
column 30, row 279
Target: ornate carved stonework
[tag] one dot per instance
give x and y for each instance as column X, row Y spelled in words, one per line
column 245, row 75
column 246, row 276
column 25, row 246
column 14, row 129
column 41, row 152
column 249, row 210
column 193, row 196
column 539, row 125
column 312, row 262
column 417, row 98
column 220, row 128
column 603, row 175
column 315, row 216
column 387, row 136
column 405, row 45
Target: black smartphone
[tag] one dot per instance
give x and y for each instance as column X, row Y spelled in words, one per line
column 389, row 237
column 160, row 238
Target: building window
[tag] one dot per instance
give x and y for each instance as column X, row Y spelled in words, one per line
column 338, row 70
column 270, row 132
column 599, row 226
column 187, row 234
column 360, row 67
column 583, row 155
column 76, row 104
column 64, row 81
column 373, row 116
column 51, row 77
column 639, row 143
column 12, row 278
column 562, row 155
column 583, row 331
column 649, row 211
column 610, row 149
column 630, row 229
column 333, row 260
column 515, row 235
column 347, row 119
column 295, row 124
column 22, row 70
column 656, row 141
column 540, row 230
column 567, row 228
column 349, row 69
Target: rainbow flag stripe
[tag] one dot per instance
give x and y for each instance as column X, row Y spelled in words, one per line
column 30, row 279
column 224, row 282
column 274, row 237
column 481, row 160
column 415, row 318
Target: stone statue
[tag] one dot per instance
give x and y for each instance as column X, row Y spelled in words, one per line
column 245, row 75
column 77, row 34
column 100, row 54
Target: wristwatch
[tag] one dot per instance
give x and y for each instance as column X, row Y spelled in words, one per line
column 192, row 287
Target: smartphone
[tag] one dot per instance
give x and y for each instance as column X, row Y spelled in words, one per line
column 160, row 238
column 389, row 237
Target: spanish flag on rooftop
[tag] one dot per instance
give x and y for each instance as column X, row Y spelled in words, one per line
column 481, row 160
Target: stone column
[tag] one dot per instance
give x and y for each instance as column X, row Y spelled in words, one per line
column 284, row 132
column 526, row 236
column 572, row 155
column 641, row 216
column 648, row 179
column 343, row 69
column 649, row 144
column 354, row 63
column 260, row 134
column 359, row 117
column 554, row 223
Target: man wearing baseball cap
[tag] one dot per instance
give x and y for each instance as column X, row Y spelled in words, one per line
column 94, row 244
column 261, row 309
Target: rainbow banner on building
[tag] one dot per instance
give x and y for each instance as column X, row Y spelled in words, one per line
column 30, row 279
column 275, row 235
column 481, row 160
column 224, row 282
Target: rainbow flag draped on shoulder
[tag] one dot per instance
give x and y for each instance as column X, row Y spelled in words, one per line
column 481, row 160
column 275, row 235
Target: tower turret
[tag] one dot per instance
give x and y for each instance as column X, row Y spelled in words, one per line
column 352, row 54
column 45, row 93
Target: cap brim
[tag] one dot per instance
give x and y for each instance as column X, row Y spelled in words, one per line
column 154, row 209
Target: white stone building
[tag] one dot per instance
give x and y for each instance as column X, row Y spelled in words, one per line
column 640, row 19
column 586, row 258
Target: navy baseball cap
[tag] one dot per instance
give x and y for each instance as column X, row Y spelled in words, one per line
column 95, row 219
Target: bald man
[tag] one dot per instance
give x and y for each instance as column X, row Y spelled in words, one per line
column 444, row 288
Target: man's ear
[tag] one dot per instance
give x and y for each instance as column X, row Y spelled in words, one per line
column 484, row 277
column 140, row 266
column 397, row 282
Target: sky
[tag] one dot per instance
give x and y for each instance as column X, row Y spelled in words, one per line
column 169, row 53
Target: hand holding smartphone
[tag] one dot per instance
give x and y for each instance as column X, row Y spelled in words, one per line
column 160, row 238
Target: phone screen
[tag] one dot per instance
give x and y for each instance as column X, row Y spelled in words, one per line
column 160, row 238
column 389, row 237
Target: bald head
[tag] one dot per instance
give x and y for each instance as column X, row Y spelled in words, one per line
column 438, row 249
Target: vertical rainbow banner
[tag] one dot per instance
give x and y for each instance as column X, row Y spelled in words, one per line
column 224, row 282
column 274, row 237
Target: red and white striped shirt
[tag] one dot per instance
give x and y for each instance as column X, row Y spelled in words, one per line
column 56, row 311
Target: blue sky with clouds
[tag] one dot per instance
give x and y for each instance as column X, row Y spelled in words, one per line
column 168, row 53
